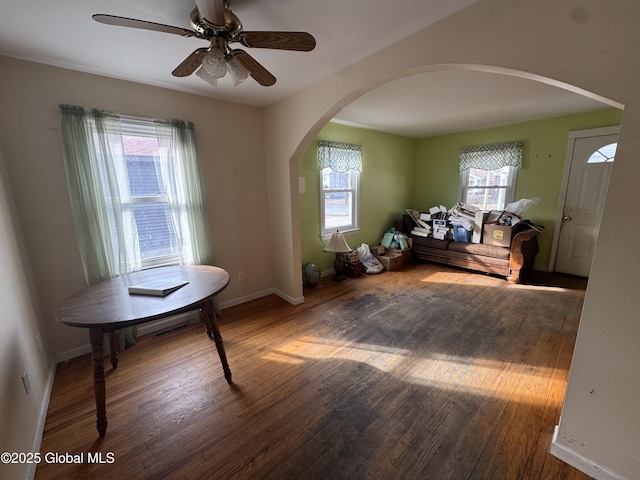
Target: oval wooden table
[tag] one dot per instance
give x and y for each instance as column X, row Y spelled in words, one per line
column 107, row 307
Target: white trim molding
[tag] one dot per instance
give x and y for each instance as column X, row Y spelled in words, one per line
column 580, row 462
column 572, row 136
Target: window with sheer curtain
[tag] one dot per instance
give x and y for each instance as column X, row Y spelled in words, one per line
column 135, row 192
column 488, row 175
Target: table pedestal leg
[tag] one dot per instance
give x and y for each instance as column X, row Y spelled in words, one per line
column 95, row 336
column 209, row 317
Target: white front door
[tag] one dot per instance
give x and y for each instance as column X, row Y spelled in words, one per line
column 591, row 162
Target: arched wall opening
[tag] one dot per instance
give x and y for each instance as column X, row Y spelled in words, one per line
column 599, row 427
column 333, row 110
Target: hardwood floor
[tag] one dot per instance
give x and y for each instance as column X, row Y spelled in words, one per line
column 428, row 372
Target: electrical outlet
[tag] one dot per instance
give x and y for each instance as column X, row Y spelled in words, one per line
column 241, row 276
column 536, row 200
column 25, row 382
column 39, row 340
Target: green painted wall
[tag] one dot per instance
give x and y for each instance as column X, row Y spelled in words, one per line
column 386, row 188
column 401, row 173
column 544, row 155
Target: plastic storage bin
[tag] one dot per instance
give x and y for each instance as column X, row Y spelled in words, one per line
column 461, row 234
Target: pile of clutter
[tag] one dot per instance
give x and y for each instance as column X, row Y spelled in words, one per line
column 464, row 222
column 391, row 254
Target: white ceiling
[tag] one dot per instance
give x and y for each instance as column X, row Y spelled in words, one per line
column 62, row 33
column 450, row 101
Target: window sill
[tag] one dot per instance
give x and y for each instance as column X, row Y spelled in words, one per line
column 352, row 231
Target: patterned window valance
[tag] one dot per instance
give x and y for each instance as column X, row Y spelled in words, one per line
column 491, row 157
column 340, row 157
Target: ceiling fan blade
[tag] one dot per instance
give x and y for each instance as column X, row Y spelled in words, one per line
column 190, row 64
column 211, row 11
column 257, row 71
column 143, row 24
column 299, row 41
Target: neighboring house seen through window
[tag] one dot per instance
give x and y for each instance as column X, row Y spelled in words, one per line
column 488, row 175
column 135, row 192
column 488, row 189
column 156, row 237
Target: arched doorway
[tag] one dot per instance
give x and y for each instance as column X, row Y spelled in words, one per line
column 539, row 86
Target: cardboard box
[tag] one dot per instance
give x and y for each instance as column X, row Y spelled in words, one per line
column 405, row 253
column 390, row 260
column 493, row 234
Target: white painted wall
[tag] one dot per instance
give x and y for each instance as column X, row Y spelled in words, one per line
column 19, row 352
column 589, row 44
column 230, row 148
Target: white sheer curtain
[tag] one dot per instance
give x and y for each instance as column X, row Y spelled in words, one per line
column 99, row 191
column 179, row 166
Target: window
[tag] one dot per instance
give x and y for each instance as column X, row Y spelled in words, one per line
column 488, row 189
column 605, row 154
column 148, row 197
column 339, row 200
column 135, row 192
column 340, row 166
column 488, row 175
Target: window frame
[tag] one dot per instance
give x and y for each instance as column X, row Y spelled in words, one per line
column 142, row 128
column 354, row 190
column 510, row 188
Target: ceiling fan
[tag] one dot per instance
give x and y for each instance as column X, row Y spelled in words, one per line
column 213, row 21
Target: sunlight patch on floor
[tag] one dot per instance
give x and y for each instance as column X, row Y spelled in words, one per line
column 384, row 359
column 485, row 377
column 474, row 376
column 475, row 279
column 540, row 288
column 461, row 277
column 279, row 357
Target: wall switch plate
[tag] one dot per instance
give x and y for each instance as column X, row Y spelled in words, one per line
column 536, row 200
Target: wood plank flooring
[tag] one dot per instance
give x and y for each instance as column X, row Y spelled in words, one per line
column 428, row 373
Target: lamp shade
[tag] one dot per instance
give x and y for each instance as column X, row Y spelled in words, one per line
column 337, row 244
column 214, row 63
column 238, row 73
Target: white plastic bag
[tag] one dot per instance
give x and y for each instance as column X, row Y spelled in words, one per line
column 520, row 206
column 370, row 263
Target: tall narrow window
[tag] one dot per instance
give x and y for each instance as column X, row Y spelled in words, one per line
column 488, row 175
column 340, row 165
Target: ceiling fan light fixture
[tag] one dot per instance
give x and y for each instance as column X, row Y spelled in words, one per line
column 214, row 63
column 202, row 73
column 214, row 21
column 238, row 73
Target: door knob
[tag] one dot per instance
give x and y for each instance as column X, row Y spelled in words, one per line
column 566, row 219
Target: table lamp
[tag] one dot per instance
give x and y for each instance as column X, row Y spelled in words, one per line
column 337, row 245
